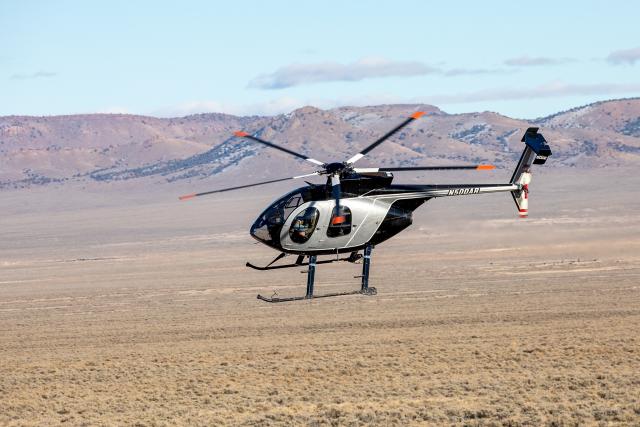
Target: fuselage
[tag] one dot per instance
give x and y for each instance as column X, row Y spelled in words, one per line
column 294, row 225
column 305, row 221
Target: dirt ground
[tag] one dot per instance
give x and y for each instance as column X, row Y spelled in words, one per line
column 123, row 310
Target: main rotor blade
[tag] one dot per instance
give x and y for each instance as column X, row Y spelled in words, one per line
column 386, row 136
column 242, row 134
column 424, row 168
column 190, row 196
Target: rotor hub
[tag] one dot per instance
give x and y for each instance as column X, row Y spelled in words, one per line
column 332, row 168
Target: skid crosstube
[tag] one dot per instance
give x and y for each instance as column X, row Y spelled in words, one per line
column 302, row 264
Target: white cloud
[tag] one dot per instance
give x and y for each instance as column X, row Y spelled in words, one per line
column 473, row 71
column 36, row 75
column 366, row 68
column 626, row 56
column 527, row 61
column 549, row 90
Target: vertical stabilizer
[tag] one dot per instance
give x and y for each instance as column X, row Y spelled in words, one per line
column 536, row 152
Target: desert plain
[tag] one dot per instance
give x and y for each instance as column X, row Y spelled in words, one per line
column 126, row 307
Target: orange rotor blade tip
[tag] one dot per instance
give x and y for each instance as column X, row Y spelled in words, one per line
column 240, row 133
column 485, row 167
column 418, row 114
column 187, row 197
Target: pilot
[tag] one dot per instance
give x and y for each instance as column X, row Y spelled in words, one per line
column 300, row 229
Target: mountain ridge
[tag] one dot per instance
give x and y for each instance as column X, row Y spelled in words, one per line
column 40, row 150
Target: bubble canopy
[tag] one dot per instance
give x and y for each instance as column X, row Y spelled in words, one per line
column 268, row 225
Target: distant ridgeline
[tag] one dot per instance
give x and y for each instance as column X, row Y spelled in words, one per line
column 104, row 148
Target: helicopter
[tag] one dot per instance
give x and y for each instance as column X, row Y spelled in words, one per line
column 359, row 208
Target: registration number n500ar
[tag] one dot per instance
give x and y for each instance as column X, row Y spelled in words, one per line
column 463, row 191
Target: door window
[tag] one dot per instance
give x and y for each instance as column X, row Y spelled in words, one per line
column 340, row 224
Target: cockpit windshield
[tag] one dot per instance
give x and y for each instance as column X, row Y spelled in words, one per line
column 269, row 224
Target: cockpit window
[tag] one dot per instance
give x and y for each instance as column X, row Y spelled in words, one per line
column 267, row 226
column 292, row 204
column 303, row 225
column 340, row 223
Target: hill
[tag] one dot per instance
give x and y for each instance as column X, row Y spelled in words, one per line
column 107, row 148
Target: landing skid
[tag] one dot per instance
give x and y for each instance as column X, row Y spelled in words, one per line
column 364, row 288
column 371, row 291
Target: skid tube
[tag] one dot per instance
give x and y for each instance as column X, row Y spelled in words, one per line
column 365, row 289
column 288, row 299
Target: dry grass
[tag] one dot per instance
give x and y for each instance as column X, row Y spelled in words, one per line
column 122, row 316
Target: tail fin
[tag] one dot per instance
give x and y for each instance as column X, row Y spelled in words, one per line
column 536, row 152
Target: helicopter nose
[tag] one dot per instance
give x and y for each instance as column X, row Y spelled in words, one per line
column 256, row 230
column 260, row 231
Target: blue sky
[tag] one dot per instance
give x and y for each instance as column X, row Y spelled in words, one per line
column 251, row 57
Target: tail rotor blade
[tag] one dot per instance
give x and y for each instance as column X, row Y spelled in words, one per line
column 190, row 196
column 386, row 136
column 242, row 134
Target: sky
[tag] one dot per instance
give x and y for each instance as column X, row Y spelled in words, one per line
column 166, row 59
